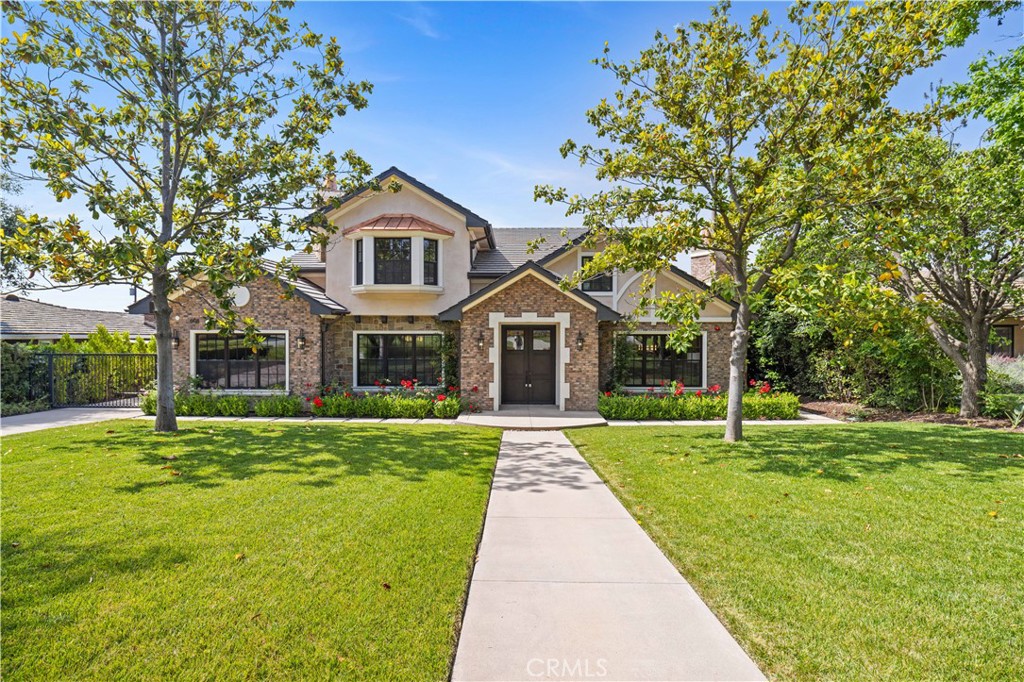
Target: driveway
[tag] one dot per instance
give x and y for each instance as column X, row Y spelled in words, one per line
column 66, row 416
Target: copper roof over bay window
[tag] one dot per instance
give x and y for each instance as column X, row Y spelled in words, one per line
column 399, row 222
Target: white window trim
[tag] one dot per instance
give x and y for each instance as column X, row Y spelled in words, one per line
column 703, row 362
column 361, row 242
column 614, row 293
column 355, row 353
column 193, row 333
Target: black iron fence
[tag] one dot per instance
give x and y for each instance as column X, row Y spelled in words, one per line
column 98, row 379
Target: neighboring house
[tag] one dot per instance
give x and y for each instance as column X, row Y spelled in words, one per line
column 26, row 321
column 403, row 269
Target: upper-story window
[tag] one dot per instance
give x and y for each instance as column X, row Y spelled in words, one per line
column 392, row 263
column 598, row 283
column 430, row 261
column 359, row 261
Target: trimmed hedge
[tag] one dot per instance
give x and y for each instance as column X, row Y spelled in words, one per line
column 278, row 406
column 381, row 406
column 693, row 407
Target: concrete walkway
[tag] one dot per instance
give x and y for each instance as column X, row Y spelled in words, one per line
column 568, row 586
column 65, row 416
column 533, row 418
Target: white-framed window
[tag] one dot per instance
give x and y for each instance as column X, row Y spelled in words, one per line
column 650, row 362
column 359, row 256
column 227, row 362
column 603, row 283
column 391, row 357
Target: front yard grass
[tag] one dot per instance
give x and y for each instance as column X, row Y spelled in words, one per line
column 279, row 552
column 851, row 552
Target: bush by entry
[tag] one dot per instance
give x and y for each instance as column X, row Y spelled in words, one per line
column 238, row 551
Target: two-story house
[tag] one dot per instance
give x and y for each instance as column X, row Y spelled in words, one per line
column 406, row 268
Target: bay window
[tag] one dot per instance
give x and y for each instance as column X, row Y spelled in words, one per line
column 391, row 358
column 228, row 362
column 649, row 361
column 359, row 261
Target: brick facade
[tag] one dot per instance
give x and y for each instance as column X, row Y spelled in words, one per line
column 526, row 301
column 271, row 311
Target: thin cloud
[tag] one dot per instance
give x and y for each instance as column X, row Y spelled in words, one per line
column 421, row 18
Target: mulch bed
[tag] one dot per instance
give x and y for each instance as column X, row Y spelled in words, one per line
column 855, row 412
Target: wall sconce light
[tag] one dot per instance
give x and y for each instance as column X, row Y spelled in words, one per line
column 359, row 319
column 301, row 340
column 480, row 340
column 410, row 319
column 579, row 341
column 383, row 319
column 175, row 340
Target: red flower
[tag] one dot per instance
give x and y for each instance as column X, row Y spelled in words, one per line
column 607, row 394
column 442, row 398
column 347, row 394
column 699, row 393
column 753, row 382
column 679, row 391
column 376, row 382
column 317, row 402
column 715, row 388
column 766, row 388
column 452, row 389
column 308, row 399
column 717, row 328
column 475, row 389
column 327, row 389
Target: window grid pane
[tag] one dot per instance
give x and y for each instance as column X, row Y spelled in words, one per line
column 653, row 362
column 430, row 261
column 392, row 261
column 230, row 363
column 395, row 357
column 1004, row 343
column 359, row 261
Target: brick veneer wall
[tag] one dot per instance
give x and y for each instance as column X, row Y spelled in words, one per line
column 340, row 333
column 271, row 311
column 719, row 346
column 530, row 295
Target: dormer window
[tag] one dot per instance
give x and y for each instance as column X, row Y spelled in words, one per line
column 392, row 260
column 599, row 283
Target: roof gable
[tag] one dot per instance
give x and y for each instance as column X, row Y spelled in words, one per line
column 530, row 268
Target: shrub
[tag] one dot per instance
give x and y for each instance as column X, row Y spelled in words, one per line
column 196, row 404
column 693, row 407
column 335, row 406
column 231, row 405
column 12, row 409
column 278, row 406
column 23, row 375
column 148, row 402
column 1000, row 405
column 409, row 408
column 1005, row 374
column 447, row 407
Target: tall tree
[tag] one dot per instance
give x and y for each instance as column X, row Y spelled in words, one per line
column 719, row 137
column 941, row 235
column 193, row 128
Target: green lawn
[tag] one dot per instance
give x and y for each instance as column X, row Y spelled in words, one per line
column 849, row 552
column 279, row 552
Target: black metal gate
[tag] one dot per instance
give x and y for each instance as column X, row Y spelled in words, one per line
column 99, row 379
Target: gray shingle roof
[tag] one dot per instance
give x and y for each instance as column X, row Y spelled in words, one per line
column 22, row 318
column 512, row 248
column 308, row 261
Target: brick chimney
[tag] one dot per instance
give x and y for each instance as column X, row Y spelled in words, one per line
column 706, row 265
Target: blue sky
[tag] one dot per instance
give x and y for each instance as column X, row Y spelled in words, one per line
column 475, row 98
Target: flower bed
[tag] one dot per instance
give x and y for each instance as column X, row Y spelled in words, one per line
column 407, row 401
column 676, row 404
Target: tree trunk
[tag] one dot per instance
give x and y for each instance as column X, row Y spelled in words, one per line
column 165, row 417
column 738, row 373
column 974, row 372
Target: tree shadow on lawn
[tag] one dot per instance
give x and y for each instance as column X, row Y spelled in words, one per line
column 840, row 453
column 210, row 456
